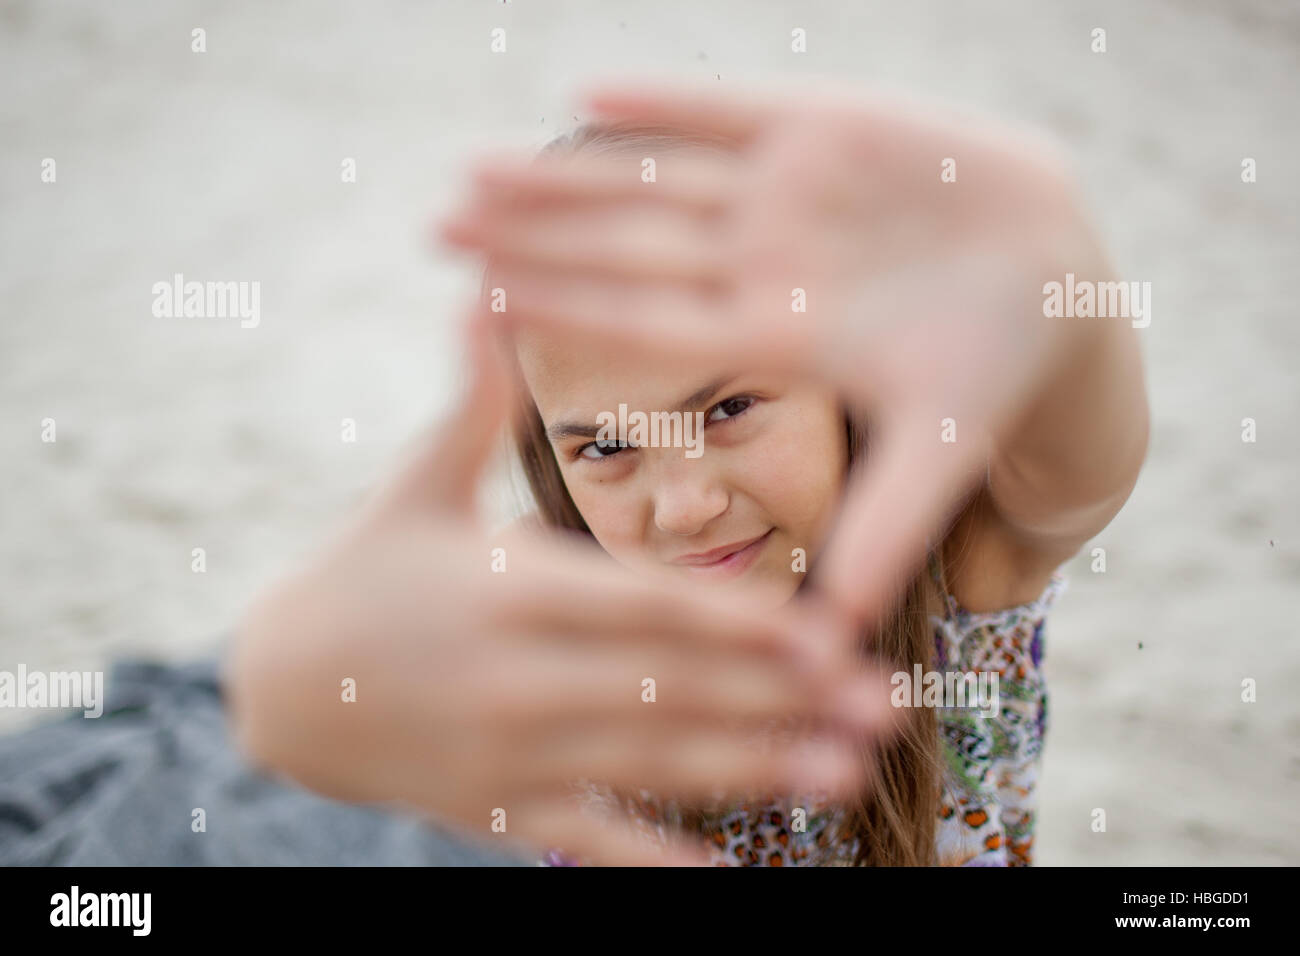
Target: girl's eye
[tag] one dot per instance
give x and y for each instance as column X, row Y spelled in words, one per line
column 731, row 408
column 601, row 449
column 721, row 412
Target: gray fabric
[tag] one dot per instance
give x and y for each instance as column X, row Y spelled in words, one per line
column 120, row 790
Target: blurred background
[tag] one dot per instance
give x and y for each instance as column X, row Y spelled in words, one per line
column 175, row 434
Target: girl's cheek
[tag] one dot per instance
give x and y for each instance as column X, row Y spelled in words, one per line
column 796, row 479
column 606, row 508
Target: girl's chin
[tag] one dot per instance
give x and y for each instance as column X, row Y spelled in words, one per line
column 776, row 592
column 763, row 588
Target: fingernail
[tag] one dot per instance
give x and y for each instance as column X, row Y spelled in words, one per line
column 816, row 650
column 455, row 230
column 823, row 766
column 810, row 656
column 863, row 704
column 859, row 704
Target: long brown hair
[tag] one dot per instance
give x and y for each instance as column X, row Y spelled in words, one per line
column 894, row 819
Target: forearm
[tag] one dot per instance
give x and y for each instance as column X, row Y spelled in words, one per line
column 1066, row 465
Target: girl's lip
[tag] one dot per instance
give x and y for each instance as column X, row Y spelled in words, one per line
column 715, row 555
column 735, row 563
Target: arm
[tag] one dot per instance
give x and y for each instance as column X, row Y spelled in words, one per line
column 1063, row 468
column 924, row 304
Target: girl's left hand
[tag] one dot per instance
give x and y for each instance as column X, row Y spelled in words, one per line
column 897, row 254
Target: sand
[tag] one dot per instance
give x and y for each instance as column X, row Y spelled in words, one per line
column 175, row 434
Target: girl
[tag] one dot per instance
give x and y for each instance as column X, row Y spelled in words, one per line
column 851, row 294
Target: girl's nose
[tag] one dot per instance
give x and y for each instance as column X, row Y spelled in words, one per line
column 686, row 503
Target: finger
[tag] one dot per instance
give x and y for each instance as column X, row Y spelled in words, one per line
column 699, row 765
column 663, row 319
column 732, row 117
column 444, row 468
column 625, row 241
column 603, row 841
column 570, row 685
column 701, row 187
column 829, row 634
column 555, row 595
column 639, row 328
column 893, row 508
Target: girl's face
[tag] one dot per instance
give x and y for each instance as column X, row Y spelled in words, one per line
column 770, row 467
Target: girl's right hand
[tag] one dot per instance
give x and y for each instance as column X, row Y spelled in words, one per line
column 920, row 297
column 478, row 692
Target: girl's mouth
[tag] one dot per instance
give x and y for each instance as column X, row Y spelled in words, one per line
column 729, row 563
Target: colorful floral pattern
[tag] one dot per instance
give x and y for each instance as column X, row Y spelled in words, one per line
column 987, row 799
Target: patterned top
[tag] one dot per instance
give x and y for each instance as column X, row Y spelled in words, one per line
column 990, row 756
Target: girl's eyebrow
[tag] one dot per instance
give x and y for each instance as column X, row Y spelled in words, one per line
column 573, row 429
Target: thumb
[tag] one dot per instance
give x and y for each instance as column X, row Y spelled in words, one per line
column 443, row 471
column 899, row 502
